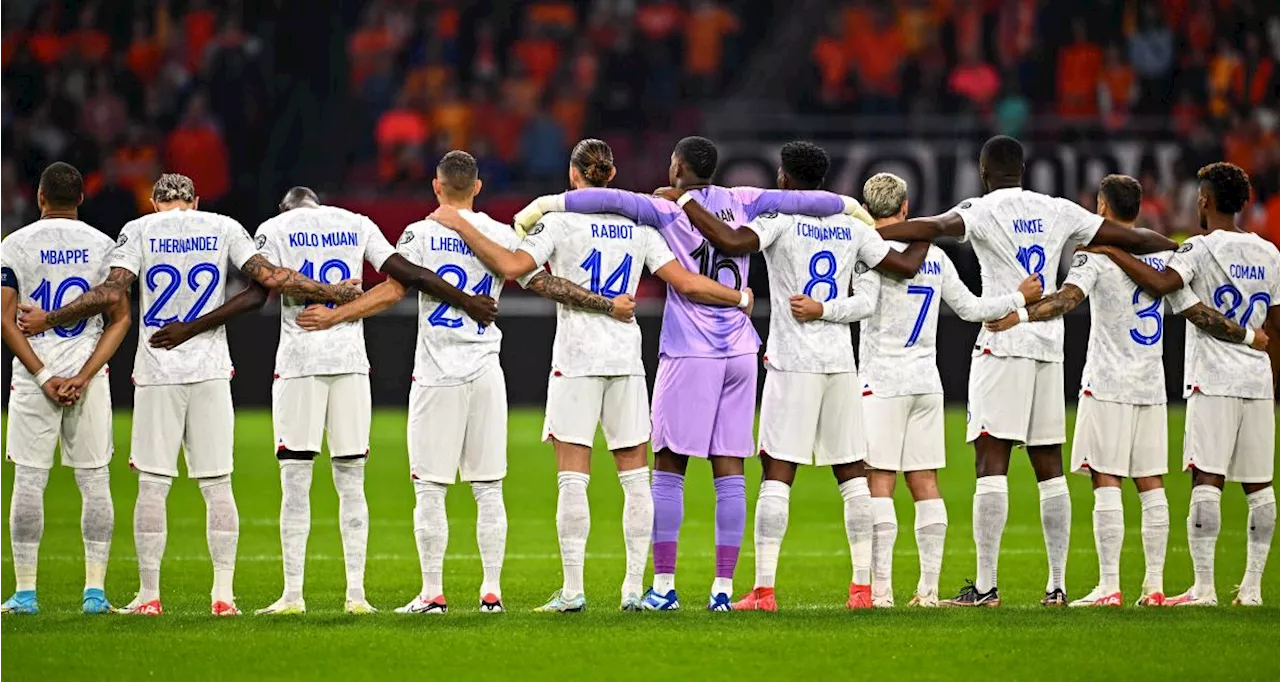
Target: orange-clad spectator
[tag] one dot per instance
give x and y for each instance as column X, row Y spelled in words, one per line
column 90, row 42
column 833, row 68
column 658, row 20
column 426, row 83
column 503, row 125
column 570, row 111
column 1238, row 143
column 1117, row 91
column 45, row 43
column 369, row 43
column 401, row 132
column 539, row 54
column 877, row 56
column 1225, row 79
column 451, row 118
column 585, row 66
column 522, row 92
column 1271, row 227
column 975, row 80
column 144, row 55
column 9, row 45
column 1185, row 114
column 196, row 150
column 1079, row 70
column 199, row 25
column 1260, row 69
column 1016, row 31
column 1155, row 212
column 705, row 30
column 448, row 22
column 968, row 20
column 1199, row 26
column 555, row 14
column 918, row 20
column 855, row 22
column 136, row 160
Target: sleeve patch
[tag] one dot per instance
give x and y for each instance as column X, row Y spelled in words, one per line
column 405, row 238
column 860, row 267
column 1185, row 247
column 122, row 239
column 260, row 241
column 537, row 228
column 770, row 214
column 1080, row 260
column 966, row 204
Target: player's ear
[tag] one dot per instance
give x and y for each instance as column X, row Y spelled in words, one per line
column 195, row 205
column 906, row 209
column 80, row 200
column 612, row 173
column 155, row 208
column 479, row 185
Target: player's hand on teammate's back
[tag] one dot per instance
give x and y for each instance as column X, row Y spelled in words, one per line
column 171, row 335
column 804, row 308
column 482, row 309
column 316, row 318
column 751, row 302
column 624, row 308
column 449, row 217
column 1031, row 289
column 1007, row 322
column 32, row 319
column 1260, row 340
column 668, row 193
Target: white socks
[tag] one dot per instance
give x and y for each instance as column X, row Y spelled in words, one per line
column 353, row 520
column 1108, row 536
column 431, row 530
column 26, row 523
column 295, row 522
column 97, row 518
column 857, row 527
column 573, row 525
column 222, row 530
column 885, row 529
column 931, row 535
column 772, row 508
column 150, row 531
column 1155, row 537
column 637, row 527
column 491, row 534
column 1262, row 525
column 1055, row 521
column 1204, row 521
column 990, row 512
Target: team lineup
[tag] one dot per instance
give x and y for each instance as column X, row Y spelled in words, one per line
column 832, row 261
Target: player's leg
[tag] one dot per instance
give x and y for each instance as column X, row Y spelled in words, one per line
column 772, row 512
column 667, row 491
column 1149, row 464
column 1101, row 447
column 87, row 448
column 209, row 445
column 297, row 417
column 885, row 419
column 731, row 444
column 32, row 436
column 1046, row 432
column 625, row 421
column 931, row 532
column 1253, row 466
column 484, row 466
column 435, row 437
column 858, row 525
column 1208, row 443
column 841, row 444
column 347, row 422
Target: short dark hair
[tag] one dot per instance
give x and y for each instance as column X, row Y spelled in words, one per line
column 1002, row 155
column 806, row 163
column 699, row 154
column 458, row 171
column 297, row 196
column 62, row 185
column 1123, row 195
column 1229, row 184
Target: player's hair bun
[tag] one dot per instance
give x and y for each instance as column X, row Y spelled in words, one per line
column 594, row 159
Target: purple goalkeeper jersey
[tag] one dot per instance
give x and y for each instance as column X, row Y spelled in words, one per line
column 691, row 329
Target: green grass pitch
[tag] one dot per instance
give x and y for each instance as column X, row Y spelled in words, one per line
column 812, row 635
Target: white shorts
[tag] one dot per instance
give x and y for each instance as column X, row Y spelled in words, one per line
column 196, row 417
column 459, row 429
column 1017, row 399
column 575, row 405
column 36, row 424
column 1130, row 441
column 303, row 409
column 1232, row 437
column 816, row 419
column 905, row 432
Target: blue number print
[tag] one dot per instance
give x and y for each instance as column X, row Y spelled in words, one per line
column 927, row 292
column 152, row 318
column 822, row 275
column 1229, row 291
column 1032, row 259
column 1151, row 312
column 439, row 317
column 308, row 269
column 51, row 298
column 618, row 281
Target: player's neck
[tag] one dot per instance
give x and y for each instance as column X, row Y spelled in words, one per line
column 1226, row 223
column 458, row 204
column 66, row 214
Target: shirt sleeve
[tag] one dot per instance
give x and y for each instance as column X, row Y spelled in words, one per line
column 972, row 308
column 814, row 203
column 377, row 249
column 1185, row 261
column 240, row 246
column 1084, row 271
column 861, row 304
column 8, row 275
column 971, row 211
column 768, row 227
column 508, row 239
column 873, row 248
column 1081, row 225
column 128, row 251
column 266, row 244
column 540, row 241
column 642, row 208
column 1182, row 299
column 657, row 253
column 408, row 245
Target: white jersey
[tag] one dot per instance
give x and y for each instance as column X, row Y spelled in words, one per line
column 1125, row 360
column 327, row 244
column 452, row 348
column 181, row 258
column 50, row 263
column 814, row 257
column 1238, row 274
column 603, row 253
column 1015, row 233
column 898, row 343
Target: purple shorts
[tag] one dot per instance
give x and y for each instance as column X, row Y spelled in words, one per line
column 705, row 406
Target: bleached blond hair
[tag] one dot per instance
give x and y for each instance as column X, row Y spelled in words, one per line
column 173, row 187
column 885, row 193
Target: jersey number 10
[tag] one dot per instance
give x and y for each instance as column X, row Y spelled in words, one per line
column 49, row 298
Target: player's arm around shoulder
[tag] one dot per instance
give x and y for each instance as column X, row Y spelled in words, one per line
column 495, row 256
column 725, row 238
column 95, row 301
column 703, row 289
column 1177, row 273
column 859, row 305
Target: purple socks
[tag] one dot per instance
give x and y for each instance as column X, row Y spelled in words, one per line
column 668, row 513
column 731, row 521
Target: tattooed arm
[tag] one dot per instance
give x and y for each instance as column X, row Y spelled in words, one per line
column 1054, row 305
column 292, row 283
column 563, row 291
column 1214, row 323
column 92, row 302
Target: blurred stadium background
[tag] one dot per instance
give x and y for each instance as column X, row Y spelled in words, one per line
column 359, row 99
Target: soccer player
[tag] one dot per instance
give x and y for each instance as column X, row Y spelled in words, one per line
column 1015, row 383
column 183, row 396
column 705, row 395
column 901, row 392
column 1229, row 387
column 59, row 391
column 1121, row 425
column 458, row 403
column 597, row 375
